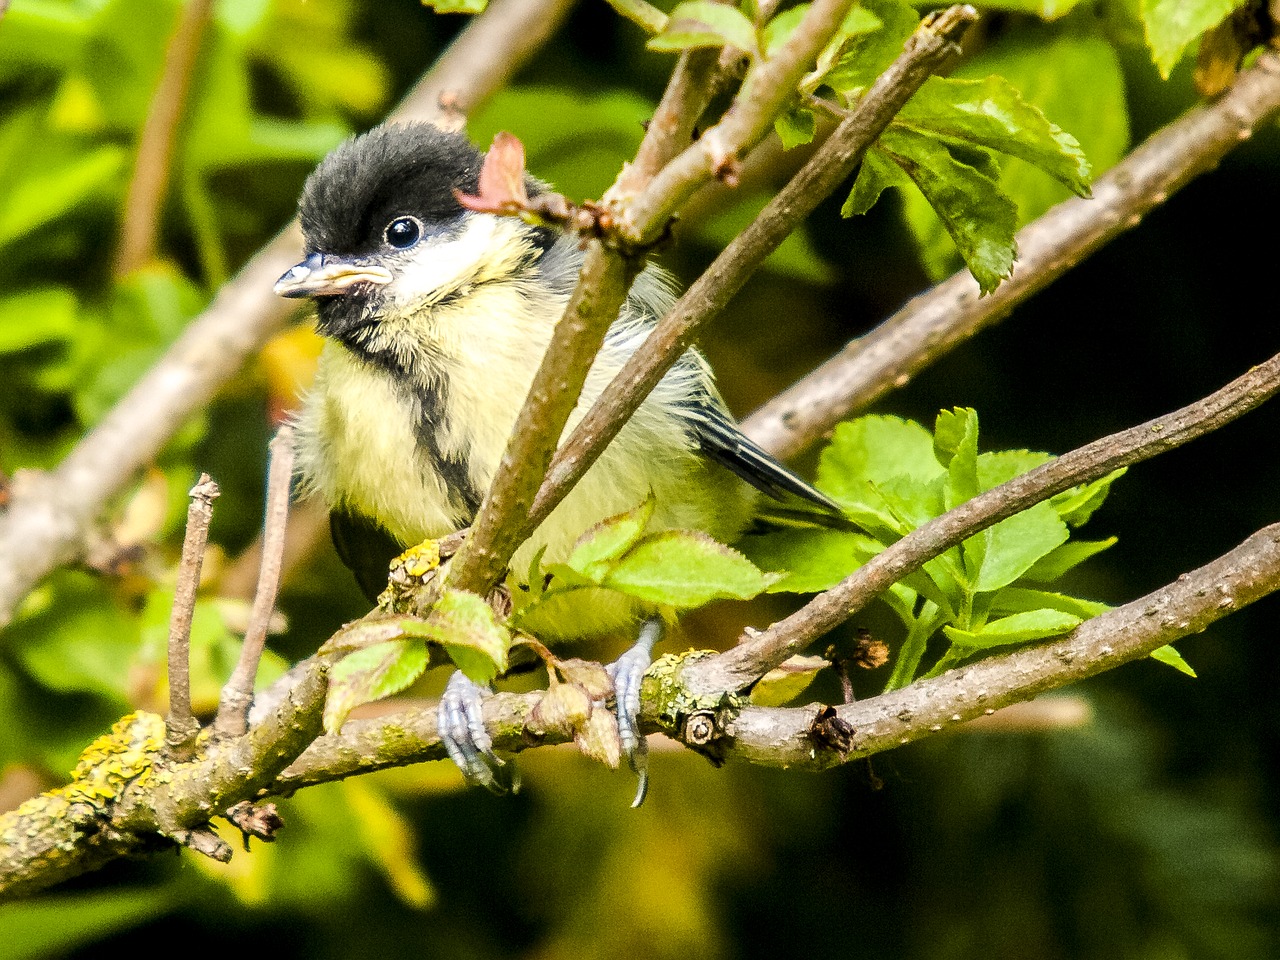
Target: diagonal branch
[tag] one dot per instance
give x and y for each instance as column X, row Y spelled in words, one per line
column 757, row 653
column 46, row 521
column 935, row 322
column 925, row 52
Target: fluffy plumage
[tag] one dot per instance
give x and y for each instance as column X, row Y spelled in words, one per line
column 432, row 346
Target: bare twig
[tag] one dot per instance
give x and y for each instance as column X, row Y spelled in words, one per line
column 757, row 653
column 182, row 724
column 237, row 694
column 927, row 49
column 45, row 526
column 929, row 326
column 152, row 167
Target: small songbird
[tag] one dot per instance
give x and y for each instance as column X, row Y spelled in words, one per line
column 436, row 319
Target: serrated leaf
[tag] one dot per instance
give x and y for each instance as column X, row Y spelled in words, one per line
column 1001, row 466
column 684, row 569
column 1171, row 26
column 786, row 682
column 810, row 561
column 369, row 674
column 795, row 127
column 955, row 444
column 876, row 175
column 990, row 113
column 1056, row 563
column 1021, row 599
column 470, row 633
column 1018, row 628
column 875, row 449
column 1171, row 657
column 865, row 56
column 1013, row 546
column 703, row 23
column 608, row 540
column 977, row 215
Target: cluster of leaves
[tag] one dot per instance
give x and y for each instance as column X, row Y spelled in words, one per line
column 892, row 476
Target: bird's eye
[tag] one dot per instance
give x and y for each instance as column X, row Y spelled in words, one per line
column 403, row 232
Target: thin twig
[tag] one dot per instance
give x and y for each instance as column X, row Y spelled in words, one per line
column 237, row 694
column 181, row 723
column 45, row 526
column 759, row 652
column 935, row 322
column 768, row 85
column 153, row 165
column 925, row 52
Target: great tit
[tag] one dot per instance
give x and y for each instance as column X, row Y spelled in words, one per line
column 435, row 319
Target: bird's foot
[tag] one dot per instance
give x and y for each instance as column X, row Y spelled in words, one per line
column 460, row 723
column 627, row 672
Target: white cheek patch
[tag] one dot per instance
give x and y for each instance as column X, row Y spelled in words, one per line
column 438, row 266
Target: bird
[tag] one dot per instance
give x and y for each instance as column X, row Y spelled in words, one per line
column 435, row 318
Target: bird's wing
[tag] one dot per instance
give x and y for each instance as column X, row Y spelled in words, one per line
column 366, row 548
column 720, row 438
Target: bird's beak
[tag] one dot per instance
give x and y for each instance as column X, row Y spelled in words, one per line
column 322, row 276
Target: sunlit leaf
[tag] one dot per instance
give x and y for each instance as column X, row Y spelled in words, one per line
column 1171, row 26
column 1057, row 562
column 609, row 539
column 784, row 683
column 685, row 568
column 703, row 23
column 369, row 674
column 1017, row 628
column 1171, row 657
column 809, row 561
column 1013, row 546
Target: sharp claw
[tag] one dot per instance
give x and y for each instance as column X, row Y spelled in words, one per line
column 460, row 723
column 627, row 673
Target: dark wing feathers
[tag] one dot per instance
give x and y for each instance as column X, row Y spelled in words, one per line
column 722, row 441
column 366, row 549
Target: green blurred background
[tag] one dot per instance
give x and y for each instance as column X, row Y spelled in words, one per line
column 1148, row 832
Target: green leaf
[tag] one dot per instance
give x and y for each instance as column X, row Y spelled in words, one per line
column 1021, row 600
column 786, row 682
column 609, row 539
column 955, row 444
column 990, row 113
column 875, row 449
column 1171, row 657
column 1013, row 546
column 1001, row 466
column 467, row 627
column 684, row 569
column 34, row 318
column 809, row 561
column 703, row 23
column 1078, row 504
column 779, row 30
column 1056, row 563
column 977, row 215
column 876, row 175
column 1045, row 9
column 865, row 56
column 1018, row 628
column 795, row 127
column 45, row 195
column 369, row 674
column 1171, row 26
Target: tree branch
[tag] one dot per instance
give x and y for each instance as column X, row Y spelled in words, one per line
column 182, row 724
column 933, row 323
column 759, row 652
column 503, row 520
column 150, row 181
column 237, row 693
column 46, row 521
column 925, row 52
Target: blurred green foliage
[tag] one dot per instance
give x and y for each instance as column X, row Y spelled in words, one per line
column 1147, row 834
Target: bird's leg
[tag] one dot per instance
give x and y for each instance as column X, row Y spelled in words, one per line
column 460, row 724
column 627, row 672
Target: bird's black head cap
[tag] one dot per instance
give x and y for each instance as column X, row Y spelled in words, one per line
column 393, row 169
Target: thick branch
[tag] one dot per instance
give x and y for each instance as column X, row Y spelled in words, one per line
column 759, row 652
column 781, row 736
column 925, row 51
column 153, row 165
column 45, row 523
column 930, row 325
